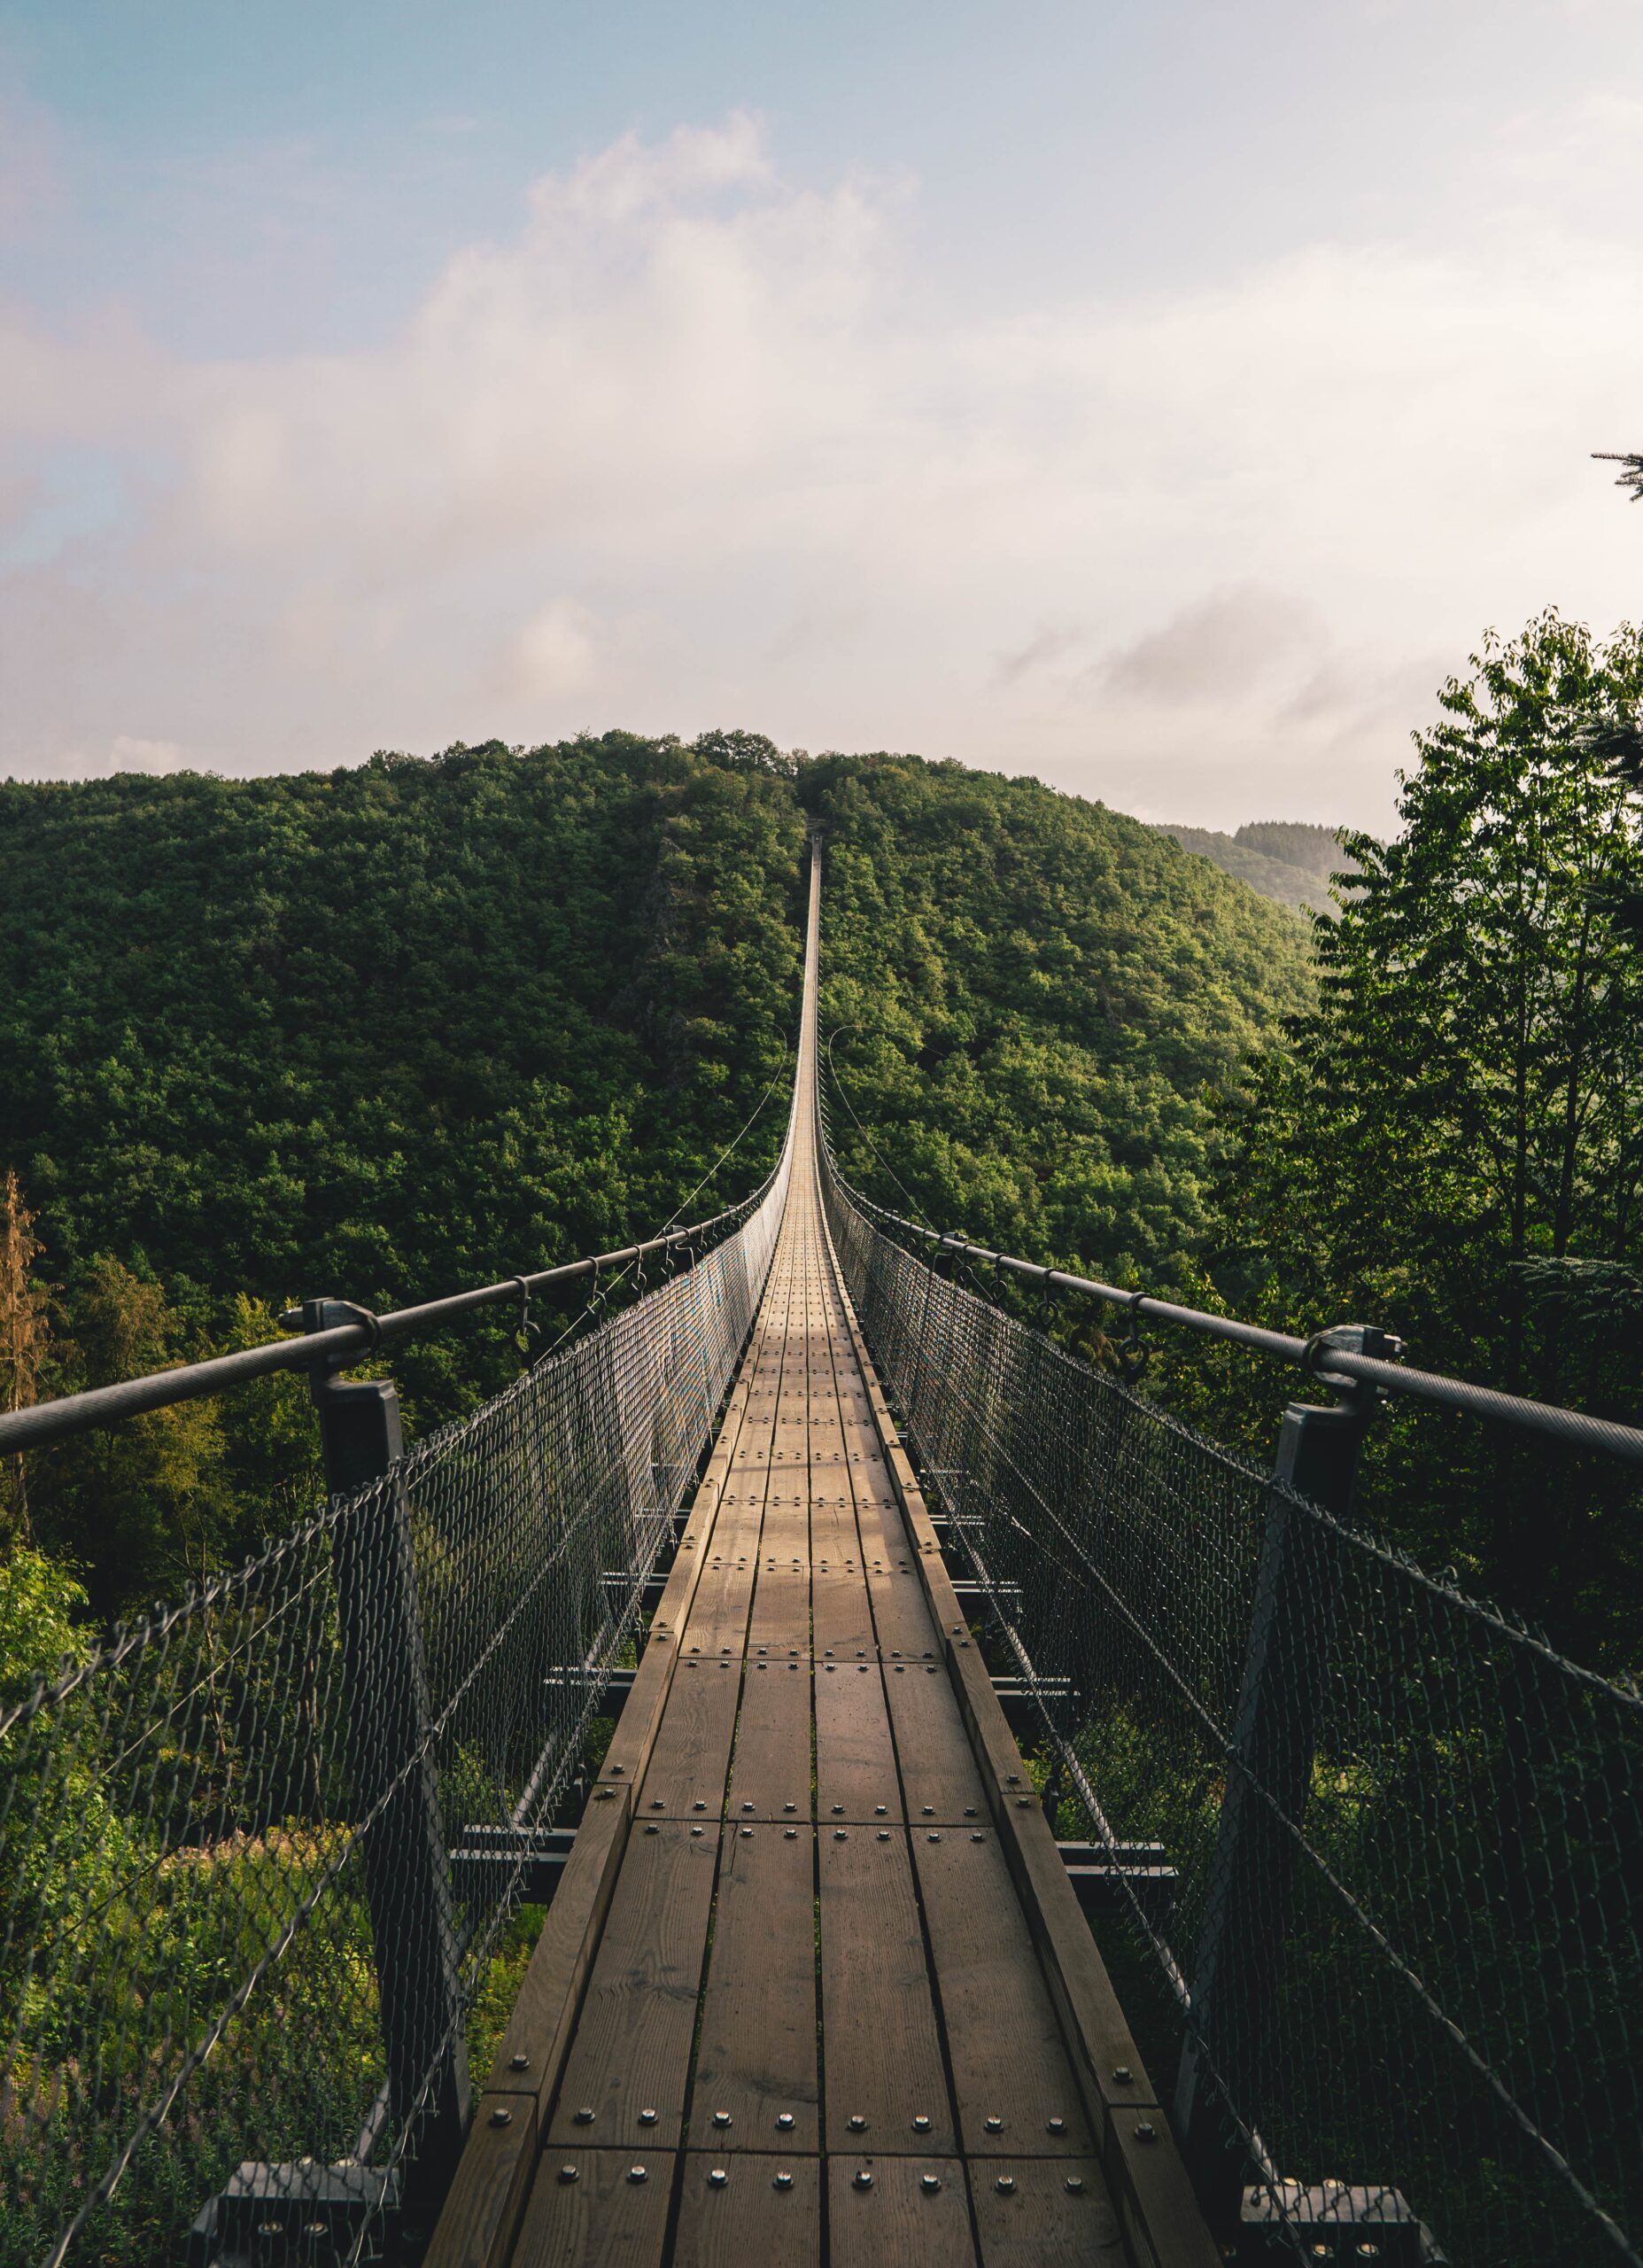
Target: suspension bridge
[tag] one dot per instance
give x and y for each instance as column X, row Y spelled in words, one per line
column 877, row 1593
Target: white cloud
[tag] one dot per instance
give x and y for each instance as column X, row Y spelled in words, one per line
column 693, row 448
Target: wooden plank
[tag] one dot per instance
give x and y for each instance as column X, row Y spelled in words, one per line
column 840, row 1619
column 766, row 2211
column 881, row 2054
column 483, row 2205
column 939, row 1777
column 631, row 2050
column 1015, row 2088
column 756, row 2054
column 781, row 1619
column 771, row 1771
column 903, row 1623
column 912, row 2211
column 1044, row 2213
column 690, row 1762
column 855, row 1775
column 586, row 2211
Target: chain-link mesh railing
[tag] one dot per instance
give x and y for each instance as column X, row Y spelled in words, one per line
column 258, row 1853
column 1375, row 1856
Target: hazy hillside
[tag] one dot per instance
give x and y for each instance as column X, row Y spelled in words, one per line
column 1284, row 860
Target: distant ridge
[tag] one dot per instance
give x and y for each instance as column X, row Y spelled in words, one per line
column 1284, row 859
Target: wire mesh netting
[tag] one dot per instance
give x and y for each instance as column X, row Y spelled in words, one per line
column 258, row 1854
column 1375, row 1855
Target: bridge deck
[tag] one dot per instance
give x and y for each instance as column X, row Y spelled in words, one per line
column 792, row 2004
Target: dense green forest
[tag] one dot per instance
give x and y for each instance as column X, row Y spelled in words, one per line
column 393, row 1030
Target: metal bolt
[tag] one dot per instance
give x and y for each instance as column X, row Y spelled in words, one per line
column 1012, row 1779
column 1075, row 2185
column 838, row 1809
column 932, row 1838
column 1146, row 2131
column 928, row 1810
column 696, row 1831
column 884, row 1835
column 790, row 1834
column 1122, row 2073
column 857, row 2124
column 929, row 2184
column 500, row 2117
column 615, row 1768
column 746, row 1807
column 782, row 2181
column 636, row 2173
column 921, row 2125
column 1022, row 1802
column 585, row 2117
column 646, row 2117
column 567, row 2174
column 651, row 1827
column 747, row 1835
column 1006, row 2185
column 993, row 2125
column 790, row 1806
column 969, row 1811
column 519, row 2062
column 785, row 2121
column 1057, row 2125
column 840, row 1836
column 864, row 2179
column 978, row 1839
column 880, row 1810
column 698, row 1807
column 657, row 1803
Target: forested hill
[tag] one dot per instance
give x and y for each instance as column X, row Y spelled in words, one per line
column 388, row 1030
column 1282, row 859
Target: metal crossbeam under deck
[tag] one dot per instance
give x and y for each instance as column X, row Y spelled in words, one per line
column 815, row 1986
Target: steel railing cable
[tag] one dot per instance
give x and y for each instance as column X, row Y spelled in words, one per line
column 1432, row 2001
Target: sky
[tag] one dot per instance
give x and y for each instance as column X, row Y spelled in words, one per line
column 1160, row 400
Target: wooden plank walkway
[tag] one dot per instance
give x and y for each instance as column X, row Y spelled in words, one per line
column 815, row 1989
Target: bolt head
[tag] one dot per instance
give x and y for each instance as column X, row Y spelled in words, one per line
column 717, row 2178
column 782, row 2181
column 519, row 2062
column 585, row 2117
column 993, row 2125
column 500, row 2117
column 785, row 2121
column 856, row 2124
column 636, row 2173
column 884, row 1835
column 840, row 1835
column 1075, row 2185
column 1006, row 2185
column 863, row 2180
column 567, row 2174
column 646, row 2117
column 1122, row 2073
column 921, row 2125
column 1146, row 2131
column 721, row 2118
column 651, row 1827
column 929, row 2183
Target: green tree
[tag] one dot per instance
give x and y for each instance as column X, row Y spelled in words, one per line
column 1452, row 1142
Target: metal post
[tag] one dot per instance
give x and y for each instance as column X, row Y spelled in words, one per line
column 1238, row 1970
column 407, row 1877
